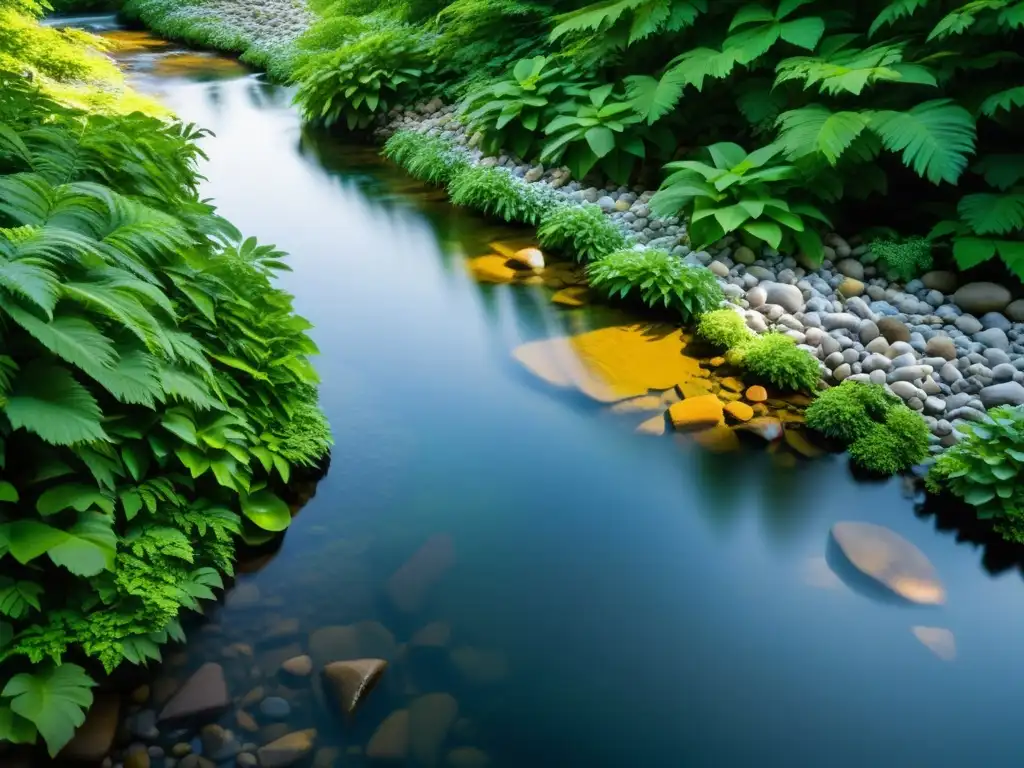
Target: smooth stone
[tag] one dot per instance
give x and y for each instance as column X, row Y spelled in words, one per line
column 969, row 324
column 979, row 298
column 876, row 362
column 993, row 337
column 910, row 373
column 526, row 258
column 761, row 273
column 137, row 758
column 859, row 307
column 298, row 666
column 850, row 268
column 287, row 750
column 205, row 695
column 390, row 742
column 850, row 288
column 431, row 717
column 996, row 320
column 409, row 586
column 842, row 320
column 869, row 332
column 878, row 346
column 247, row 760
column 244, row 595
column 899, row 348
column 950, row 373
column 889, row 561
column 95, row 737
column 788, row 297
column 1007, row 393
column 744, row 255
column 903, row 389
column 893, row 330
column 700, row 412
column 941, row 346
column 994, row 357
column 351, row 681
column 719, row 269
column 934, row 405
column 939, row 280
column 1015, row 311
column 1003, row 372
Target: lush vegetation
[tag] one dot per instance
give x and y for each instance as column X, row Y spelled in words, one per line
column 775, row 358
column 985, row 470
column 884, row 435
column 428, row 158
column 581, row 231
column 826, row 109
column 724, row 328
column 155, row 389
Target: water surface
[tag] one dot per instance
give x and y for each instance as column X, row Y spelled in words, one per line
column 654, row 604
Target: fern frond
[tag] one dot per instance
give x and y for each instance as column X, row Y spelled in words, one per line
column 935, row 137
column 1008, row 100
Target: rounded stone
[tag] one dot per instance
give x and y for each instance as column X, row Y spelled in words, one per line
column 719, row 269
column 979, row 298
column 893, row 330
column 842, row 372
column 1015, row 311
column 275, row 708
column 940, row 280
column 851, row 268
column 941, row 346
column 744, row 255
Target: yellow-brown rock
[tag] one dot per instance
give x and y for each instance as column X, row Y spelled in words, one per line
column 739, row 411
column 720, row 439
column 298, row 666
column 765, row 427
column 728, row 397
column 362, row 640
column 701, row 412
column 509, row 248
column 716, row 362
column 639, row 404
column 95, row 737
column 491, row 269
column 350, row 681
column 850, row 287
column 796, row 440
column 694, row 388
column 757, row 394
column 612, row 364
column 287, row 750
column 890, row 560
column 939, row 641
column 391, row 739
column 670, row 397
column 527, row 258
column 532, row 280
column 246, row 722
column 653, row 426
column 732, row 384
column 573, row 296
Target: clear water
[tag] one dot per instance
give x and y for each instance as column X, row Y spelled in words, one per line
column 655, row 605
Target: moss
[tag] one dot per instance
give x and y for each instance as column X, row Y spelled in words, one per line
column 904, row 259
column 893, row 446
column 851, row 410
column 580, row 230
column 775, row 358
column 724, row 328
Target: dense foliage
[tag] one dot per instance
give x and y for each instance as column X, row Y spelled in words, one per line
column 826, row 110
column 582, row 231
column 428, row 158
column 724, row 328
column 155, row 394
column 660, row 279
column 895, row 445
column 498, row 193
column 776, row 359
column 985, row 470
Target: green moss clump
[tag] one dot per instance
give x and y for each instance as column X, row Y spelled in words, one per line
column 895, row 445
column 428, row 158
column 850, row 411
column 904, row 260
column 724, row 328
column 497, row 192
column 582, row 230
column 775, row 358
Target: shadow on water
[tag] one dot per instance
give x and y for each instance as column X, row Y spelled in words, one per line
column 609, row 598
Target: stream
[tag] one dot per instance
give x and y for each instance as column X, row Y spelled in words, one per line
column 602, row 598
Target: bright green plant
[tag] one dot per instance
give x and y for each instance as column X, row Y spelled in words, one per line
column 512, row 112
column 905, row 259
column 498, row 193
column 985, row 470
column 603, row 27
column 581, row 230
column 741, row 193
column 355, row 83
column 850, row 411
column 775, row 358
column 429, row 158
column 723, row 328
column 155, row 398
column 895, row 445
column 660, row 279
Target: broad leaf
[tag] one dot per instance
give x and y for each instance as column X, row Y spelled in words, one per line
column 993, row 213
column 18, row 598
column 267, row 510
column 54, row 699
column 46, row 399
column 935, row 138
column 75, row 496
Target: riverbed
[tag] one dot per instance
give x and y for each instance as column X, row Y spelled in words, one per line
column 605, row 598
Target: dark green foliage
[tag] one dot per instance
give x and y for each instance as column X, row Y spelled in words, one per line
column 850, row 411
column 986, row 470
column 155, row 393
column 661, row 280
column 429, row 158
column 724, row 328
column 775, row 358
column 895, row 445
column 904, row 260
column 498, row 193
column 581, row 230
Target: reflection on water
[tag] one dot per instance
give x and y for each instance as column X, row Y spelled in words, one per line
column 547, row 587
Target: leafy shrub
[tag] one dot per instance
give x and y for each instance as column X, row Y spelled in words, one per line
column 904, row 260
column 850, row 411
column 724, row 328
column 659, row 278
column 985, row 470
column 497, row 192
column 155, row 396
column 582, row 230
column 512, row 111
column 895, row 445
column 482, row 38
column 381, row 69
column 775, row 358
column 740, row 192
column 429, row 158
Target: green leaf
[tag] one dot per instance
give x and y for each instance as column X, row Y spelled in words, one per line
column 14, row 728
column 17, row 598
column 601, row 140
column 47, row 400
column 267, row 510
column 978, row 496
column 972, row 251
column 768, row 231
column 993, row 213
column 1007, row 100
column 935, row 138
column 75, row 496
column 54, row 699
column 181, row 425
column 896, row 10
column 1001, row 171
column 8, row 492
column 816, row 129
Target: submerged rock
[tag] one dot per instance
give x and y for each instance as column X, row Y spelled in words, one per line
column 467, row 757
column 939, row 641
column 639, row 404
column 491, row 269
column 652, row 426
column 350, row 681
column 701, row 412
column 528, row 258
column 409, row 585
column 431, row 717
column 391, row 739
column 287, row 750
column 363, row 640
column 95, row 737
column 888, row 566
column 204, row 695
column 765, row 427
column 436, row 634
column 720, row 439
column 573, row 296
column 480, row 665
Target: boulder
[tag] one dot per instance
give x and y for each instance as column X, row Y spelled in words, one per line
column 430, row 719
column 786, row 296
column 893, row 330
column 409, row 585
column 1007, row 393
column 95, row 737
column 205, row 695
column 739, row 411
column 287, row 750
column 944, row 282
column 391, row 739
column 884, row 564
column 697, row 413
column 979, row 298
column 350, row 681
column 363, row 640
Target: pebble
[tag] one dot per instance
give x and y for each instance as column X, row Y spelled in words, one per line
column 275, row 708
